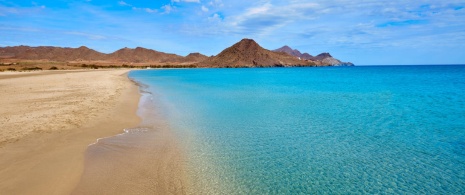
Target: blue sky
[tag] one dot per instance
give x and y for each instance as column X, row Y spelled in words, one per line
column 365, row 32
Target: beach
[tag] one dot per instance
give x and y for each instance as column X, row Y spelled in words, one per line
column 48, row 120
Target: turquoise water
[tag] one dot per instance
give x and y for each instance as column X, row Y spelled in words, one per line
column 378, row 129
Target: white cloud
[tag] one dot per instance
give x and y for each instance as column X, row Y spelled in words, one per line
column 263, row 9
column 216, row 3
column 38, row 6
column 215, row 18
column 205, row 9
column 148, row 10
column 122, row 3
column 167, row 8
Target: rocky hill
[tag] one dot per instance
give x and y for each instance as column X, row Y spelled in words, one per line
column 142, row 55
column 51, row 53
column 195, row 57
column 247, row 53
column 294, row 52
column 323, row 58
column 125, row 55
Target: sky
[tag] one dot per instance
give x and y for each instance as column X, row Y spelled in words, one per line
column 365, row 32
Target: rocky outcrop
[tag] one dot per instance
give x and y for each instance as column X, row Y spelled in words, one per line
column 294, row 52
column 323, row 58
column 326, row 58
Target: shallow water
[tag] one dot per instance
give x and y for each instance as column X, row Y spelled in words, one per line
column 393, row 129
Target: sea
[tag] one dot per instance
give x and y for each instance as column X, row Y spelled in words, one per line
column 318, row 130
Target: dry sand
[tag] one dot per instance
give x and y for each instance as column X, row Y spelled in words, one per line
column 47, row 120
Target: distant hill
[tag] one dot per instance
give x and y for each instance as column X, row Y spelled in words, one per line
column 323, row 58
column 247, row 53
column 125, row 55
column 195, row 57
column 142, row 55
column 294, row 52
column 51, row 53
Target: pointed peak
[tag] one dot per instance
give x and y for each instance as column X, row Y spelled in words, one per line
column 325, row 54
column 196, row 54
column 284, row 48
column 140, row 48
column 247, row 41
column 246, row 44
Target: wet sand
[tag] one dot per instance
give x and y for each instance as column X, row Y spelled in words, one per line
column 143, row 160
column 49, row 118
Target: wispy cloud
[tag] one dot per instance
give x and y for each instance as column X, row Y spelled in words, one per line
column 87, row 35
column 167, row 9
column 204, row 9
column 145, row 9
column 8, row 10
column 216, row 3
column 215, row 18
column 122, row 3
column 148, row 10
column 16, row 28
column 266, row 17
column 4, row 11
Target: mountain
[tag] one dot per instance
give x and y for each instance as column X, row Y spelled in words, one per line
column 51, row 53
column 142, row 55
column 294, row 52
column 326, row 58
column 287, row 49
column 323, row 58
column 125, row 55
column 306, row 56
column 247, row 53
column 195, row 57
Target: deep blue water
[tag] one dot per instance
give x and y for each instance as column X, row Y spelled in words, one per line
column 377, row 129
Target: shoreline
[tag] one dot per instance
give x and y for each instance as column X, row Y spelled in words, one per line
column 49, row 120
column 145, row 159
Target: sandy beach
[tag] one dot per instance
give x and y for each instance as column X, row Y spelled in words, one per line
column 48, row 119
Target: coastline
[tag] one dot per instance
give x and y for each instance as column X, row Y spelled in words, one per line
column 49, row 118
column 145, row 159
